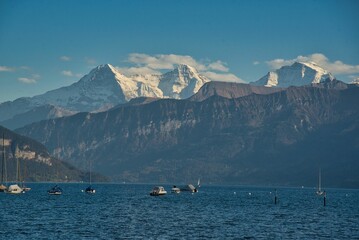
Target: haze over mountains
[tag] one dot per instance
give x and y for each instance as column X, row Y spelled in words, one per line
column 221, row 132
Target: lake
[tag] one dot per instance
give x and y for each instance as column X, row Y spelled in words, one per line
column 127, row 211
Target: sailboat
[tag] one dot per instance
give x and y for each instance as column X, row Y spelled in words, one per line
column 319, row 190
column 15, row 188
column 90, row 189
column 3, row 188
column 23, row 186
column 56, row 190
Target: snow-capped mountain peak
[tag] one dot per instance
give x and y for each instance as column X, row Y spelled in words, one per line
column 182, row 82
column 105, row 86
column 297, row 74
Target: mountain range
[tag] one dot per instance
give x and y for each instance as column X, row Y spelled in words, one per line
column 281, row 137
column 178, row 126
column 105, row 87
column 101, row 89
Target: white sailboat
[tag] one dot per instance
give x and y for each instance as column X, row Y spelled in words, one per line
column 15, row 188
column 319, row 190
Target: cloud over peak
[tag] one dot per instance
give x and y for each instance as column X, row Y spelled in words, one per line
column 154, row 64
column 27, row 80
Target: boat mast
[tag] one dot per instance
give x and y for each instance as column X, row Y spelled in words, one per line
column 320, row 180
column 3, row 163
column 90, row 173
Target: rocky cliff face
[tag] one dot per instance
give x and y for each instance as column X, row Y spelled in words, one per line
column 35, row 163
column 277, row 138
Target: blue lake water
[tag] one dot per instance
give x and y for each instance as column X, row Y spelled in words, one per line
column 127, row 211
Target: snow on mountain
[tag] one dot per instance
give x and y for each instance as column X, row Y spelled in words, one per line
column 298, row 74
column 94, row 91
column 182, row 82
column 355, row 81
column 105, row 87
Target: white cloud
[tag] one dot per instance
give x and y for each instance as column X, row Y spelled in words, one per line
column 27, row 80
column 137, row 70
column 6, row 69
column 90, row 61
column 336, row 67
column 256, row 62
column 67, row 73
column 218, row 66
column 65, row 58
column 154, row 64
column 224, row 77
column 163, row 61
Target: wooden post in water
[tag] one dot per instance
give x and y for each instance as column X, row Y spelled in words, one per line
column 275, row 196
column 324, row 199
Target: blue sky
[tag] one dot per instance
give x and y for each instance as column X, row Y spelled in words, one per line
column 49, row 44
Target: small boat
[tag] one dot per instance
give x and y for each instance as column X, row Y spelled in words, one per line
column 26, row 189
column 3, row 188
column 56, row 190
column 189, row 188
column 89, row 189
column 320, row 192
column 14, row 189
column 158, row 191
column 175, row 189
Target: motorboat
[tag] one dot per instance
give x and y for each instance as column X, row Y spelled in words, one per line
column 14, row 189
column 56, row 190
column 90, row 189
column 158, row 191
column 3, row 188
column 189, row 188
column 175, row 189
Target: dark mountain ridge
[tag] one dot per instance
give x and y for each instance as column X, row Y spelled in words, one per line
column 36, row 164
column 276, row 138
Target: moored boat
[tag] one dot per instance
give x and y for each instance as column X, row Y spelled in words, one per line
column 89, row 189
column 320, row 192
column 175, row 189
column 14, row 189
column 158, row 191
column 189, row 188
column 56, row 190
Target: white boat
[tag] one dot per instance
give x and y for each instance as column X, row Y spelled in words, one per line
column 14, row 189
column 175, row 189
column 320, row 192
column 189, row 188
column 158, row 191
